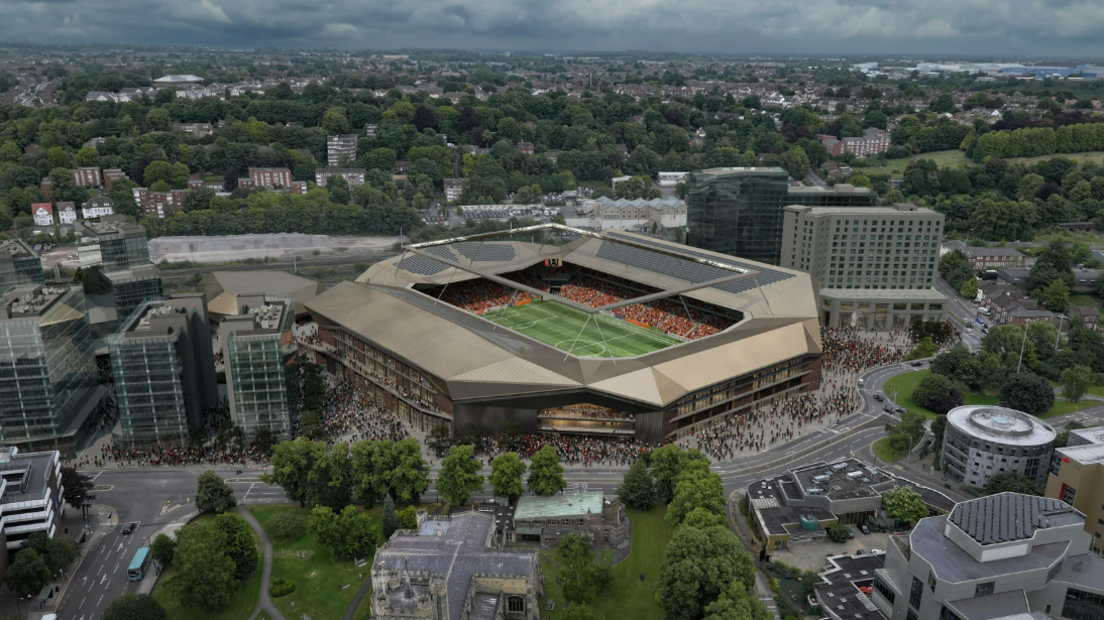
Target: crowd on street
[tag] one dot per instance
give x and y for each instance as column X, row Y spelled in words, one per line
column 572, row 449
column 848, row 349
column 349, row 415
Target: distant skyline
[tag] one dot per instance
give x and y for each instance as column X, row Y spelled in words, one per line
column 1022, row 28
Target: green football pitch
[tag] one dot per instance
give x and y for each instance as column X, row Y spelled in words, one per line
column 559, row 326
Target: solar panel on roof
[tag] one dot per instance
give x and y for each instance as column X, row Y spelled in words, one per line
column 442, row 251
column 422, row 265
column 686, row 270
column 486, row 252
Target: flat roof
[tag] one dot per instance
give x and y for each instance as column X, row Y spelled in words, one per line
column 1011, row 516
column 21, row 302
column 847, row 479
column 951, row 563
column 839, row 590
column 536, row 507
column 1001, row 425
column 991, row 607
column 898, row 209
column 16, row 248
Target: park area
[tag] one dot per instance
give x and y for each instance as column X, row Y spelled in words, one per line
column 632, row 593
column 955, row 157
column 905, row 385
column 601, row 336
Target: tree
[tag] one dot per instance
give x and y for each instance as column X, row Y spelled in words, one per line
column 88, row 156
column 240, row 545
column 439, row 440
column 292, row 463
column 334, row 122
column 925, row 348
column 1055, row 296
column 459, row 476
column 701, row 563
column 839, row 532
column 1028, row 393
column 331, row 478
column 1076, row 381
column 408, row 518
column 969, row 289
column 638, row 488
column 28, row 573
column 1010, row 482
column 577, row 568
column 696, row 490
column 578, row 612
column 546, row 473
column 904, row 504
column 264, row 442
column 667, row 463
column 158, row 119
column 213, row 494
column 389, row 468
column 77, row 487
column 390, row 518
column 349, row 534
column 506, row 474
column 135, row 607
column 162, row 548
column 197, row 199
column 57, row 552
column 937, row 393
column 286, row 525
column 737, row 603
column 203, row 571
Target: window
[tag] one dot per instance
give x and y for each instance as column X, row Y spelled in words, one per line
column 984, row 589
column 916, row 594
column 931, row 581
column 884, row 589
column 1081, row 605
column 515, row 604
column 911, row 615
column 947, row 614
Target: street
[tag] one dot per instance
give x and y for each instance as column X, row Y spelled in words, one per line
column 962, row 314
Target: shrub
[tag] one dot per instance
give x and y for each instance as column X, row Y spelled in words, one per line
column 774, row 585
column 838, row 532
column 281, row 587
column 286, row 525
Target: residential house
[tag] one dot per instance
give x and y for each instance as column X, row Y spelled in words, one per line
column 43, row 213
column 1088, row 316
column 873, row 142
column 525, row 148
column 353, row 176
column 66, row 212
column 270, row 178
column 198, row 130
column 111, row 175
column 982, row 259
column 453, row 189
column 97, row 206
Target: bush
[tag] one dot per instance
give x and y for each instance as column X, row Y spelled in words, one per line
column 287, row 525
column 774, row 586
column 281, row 587
column 1027, row 393
column 839, row 532
column 937, row 393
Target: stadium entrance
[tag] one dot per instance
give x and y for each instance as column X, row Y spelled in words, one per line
column 586, row 419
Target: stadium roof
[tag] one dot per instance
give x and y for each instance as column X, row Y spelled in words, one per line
column 223, row 287
column 473, row 359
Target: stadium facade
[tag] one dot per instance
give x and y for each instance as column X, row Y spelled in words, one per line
column 605, row 334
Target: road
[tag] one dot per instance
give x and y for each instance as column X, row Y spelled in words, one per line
column 961, row 313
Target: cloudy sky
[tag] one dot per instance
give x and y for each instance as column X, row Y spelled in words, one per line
column 977, row 27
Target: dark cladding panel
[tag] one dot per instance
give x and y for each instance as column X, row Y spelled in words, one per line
column 649, row 427
column 488, row 419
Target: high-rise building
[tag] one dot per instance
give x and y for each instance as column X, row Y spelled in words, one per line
column 738, row 211
column 30, row 496
column 982, row 441
column 341, row 150
column 19, row 264
column 126, row 277
column 164, row 369
column 48, row 381
column 1077, row 478
column 876, row 265
column 258, row 351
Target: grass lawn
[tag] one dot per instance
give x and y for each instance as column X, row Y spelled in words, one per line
column 905, row 384
column 884, row 451
column 559, row 326
column 240, row 606
column 264, row 615
column 628, row 596
column 955, row 157
column 1097, row 390
column 1082, row 299
column 317, row 577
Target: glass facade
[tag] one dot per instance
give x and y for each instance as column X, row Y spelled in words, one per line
column 262, row 379
column 149, row 389
column 132, row 291
column 737, row 211
column 125, row 250
column 1081, row 605
column 18, row 269
column 46, row 370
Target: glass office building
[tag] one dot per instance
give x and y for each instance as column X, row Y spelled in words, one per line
column 19, row 264
column 123, row 245
column 164, row 372
column 738, row 211
column 258, row 354
column 48, row 379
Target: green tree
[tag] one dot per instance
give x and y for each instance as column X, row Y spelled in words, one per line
column 334, row 123
column 737, row 603
column 507, row 471
column 667, row 463
column 331, row 478
column 701, row 563
column 408, row 518
column 546, row 473
column 577, row 568
column 292, row 463
column 240, row 545
column 697, row 489
column 839, row 532
column 904, row 504
column 969, row 289
column 162, row 548
column 1055, row 296
column 135, row 607
column 57, row 552
column 1007, row 341
column 88, row 156
column 348, row 535
column 1010, row 482
column 203, row 573
column 58, row 158
column 28, row 573
column 459, row 476
column 923, row 349
column 158, row 119
column 390, row 518
column 1028, row 393
column 389, row 468
column 78, row 487
column 638, row 488
column 1076, row 381
column 286, row 525
column 10, row 153
column 213, row 494
column 937, row 393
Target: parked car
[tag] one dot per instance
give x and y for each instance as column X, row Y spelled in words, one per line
column 879, row 397
column 864, row 528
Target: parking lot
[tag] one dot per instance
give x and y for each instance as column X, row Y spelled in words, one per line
column 810, row 555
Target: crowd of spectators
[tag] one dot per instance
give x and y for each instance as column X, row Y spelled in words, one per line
column 585, row 411
column 848, row 349
column 572, row 449
column 479, row 295
column 350, row 414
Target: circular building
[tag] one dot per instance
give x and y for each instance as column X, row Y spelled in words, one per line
column 985, row 440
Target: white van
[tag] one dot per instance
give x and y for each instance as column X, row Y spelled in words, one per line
column 984, row 311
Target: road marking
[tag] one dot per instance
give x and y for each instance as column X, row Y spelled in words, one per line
column 82, row 602
column 98, row 602
column 116, row 568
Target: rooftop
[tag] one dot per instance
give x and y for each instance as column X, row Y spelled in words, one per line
column 1001, row 425
column 21, row 302
column 16, row 248
column 536, row 507
column 847, row 479
column 951, row 563
column 896, row 209
column 843, row 584
column 1011, row 516
column 991, row 607
column 112, row 225
column 841, row 188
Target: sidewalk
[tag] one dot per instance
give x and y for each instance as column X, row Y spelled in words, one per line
column 169, row 529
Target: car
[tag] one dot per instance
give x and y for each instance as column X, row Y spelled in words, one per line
column 901, row 410
column 864, row 528
column 888, row 409
column 879, row 397
column 129, row 527
column 917, row 364
column 850, row 533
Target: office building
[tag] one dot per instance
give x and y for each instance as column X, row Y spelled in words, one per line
column 546, row 520
column 258, row 352
column 352, row 176
column 876, row 265
column 451, row 570
column 984, row 440
column 1077, row 478
column 738, row 211
column 163, row 363
column 341, row 150
column 30, row 496
column 1002, row 556
column 126, row 277
column 19, row 264
column 454, row 188
column 48, row 380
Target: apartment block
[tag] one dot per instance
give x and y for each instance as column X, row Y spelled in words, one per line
column 341, row 150
column 353, row 176
column 163, row 363
column 1077, row 478
column 454, row 188
column 873, row 141
column 19, row 264
column 270, row 178
column 30, row 496
column 88, row 177
column 258, row 350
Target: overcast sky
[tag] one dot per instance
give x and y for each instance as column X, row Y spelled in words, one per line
column 978, row 27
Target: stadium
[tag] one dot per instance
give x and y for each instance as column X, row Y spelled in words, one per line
column 567, row 331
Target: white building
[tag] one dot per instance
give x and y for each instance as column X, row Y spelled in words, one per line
column 67, row 212
column 671, row 179
column 43, row 213
column 983, row 440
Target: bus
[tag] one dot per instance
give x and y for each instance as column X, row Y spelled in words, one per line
column 138, row 565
